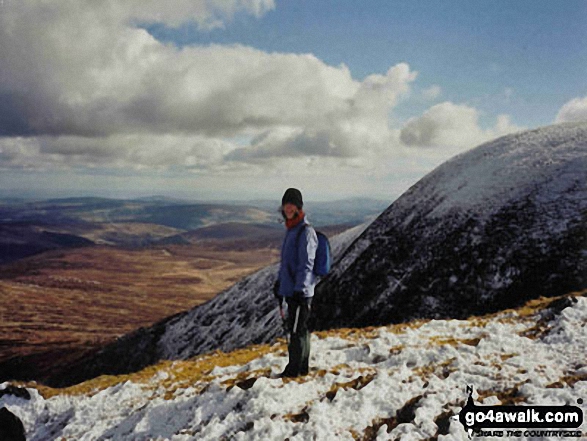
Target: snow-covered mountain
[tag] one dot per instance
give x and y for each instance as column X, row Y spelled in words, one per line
column 244, row 314
column 403, row 382
column 489, row 229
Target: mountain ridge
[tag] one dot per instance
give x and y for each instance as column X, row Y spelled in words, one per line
column 488, row 229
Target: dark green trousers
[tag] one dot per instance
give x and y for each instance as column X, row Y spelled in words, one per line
column 298, row 313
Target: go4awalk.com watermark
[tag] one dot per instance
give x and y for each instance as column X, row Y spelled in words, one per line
column 522, row 421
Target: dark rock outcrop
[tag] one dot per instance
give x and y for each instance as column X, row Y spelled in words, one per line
column 14, row 391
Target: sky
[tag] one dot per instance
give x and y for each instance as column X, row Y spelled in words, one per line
column 241, row 99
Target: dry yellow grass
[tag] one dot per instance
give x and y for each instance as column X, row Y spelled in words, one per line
column 527, row 310
column 355, row 334
column 569, row 380
column 180, row 373
column 454, row 341
column 197, row 372
column 509, row 396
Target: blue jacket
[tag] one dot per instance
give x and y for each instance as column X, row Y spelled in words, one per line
column 296, row 272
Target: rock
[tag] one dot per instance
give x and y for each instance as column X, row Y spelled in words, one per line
column 11, row 427
column 19, row 392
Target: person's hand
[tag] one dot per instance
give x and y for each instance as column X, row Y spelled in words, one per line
column 298, row 295
column 301, row 299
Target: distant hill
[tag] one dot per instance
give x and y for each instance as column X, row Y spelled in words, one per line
column 190, row 217
column 157, row 211
column 159, row 220
column 350, row 211
column 135, row 223
column 176, row 213
column 238, row 235
column 24, row 240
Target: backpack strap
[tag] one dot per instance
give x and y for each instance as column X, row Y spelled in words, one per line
column 299, row 233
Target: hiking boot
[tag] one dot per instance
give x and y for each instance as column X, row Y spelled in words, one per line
column 288, row 373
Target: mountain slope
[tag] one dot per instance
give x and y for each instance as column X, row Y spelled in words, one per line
column 487, row 230
column 395, row 382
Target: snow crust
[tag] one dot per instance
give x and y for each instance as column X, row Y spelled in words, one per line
column 429, row 363
column 505, row 169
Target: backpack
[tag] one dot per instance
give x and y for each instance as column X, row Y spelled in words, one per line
column 323, row 259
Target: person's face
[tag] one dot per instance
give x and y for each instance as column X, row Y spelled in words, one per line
column 290, row 210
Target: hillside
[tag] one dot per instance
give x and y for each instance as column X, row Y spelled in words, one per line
column 19, row 240
column 68, row 304
column 395, row 382
column 240, row 236
column 81, row 272
column 487, row 230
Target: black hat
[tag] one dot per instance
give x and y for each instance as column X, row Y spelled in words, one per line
column 293, row 196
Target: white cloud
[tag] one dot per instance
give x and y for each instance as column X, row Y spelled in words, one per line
column 574, row 110
column 82, row 70
column 358, row 124
column 432, row 92
column 83, row 86
column 208, row 14
column 453, row 126
column 130, row 151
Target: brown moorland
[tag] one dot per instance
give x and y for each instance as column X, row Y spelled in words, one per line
column 59, row 305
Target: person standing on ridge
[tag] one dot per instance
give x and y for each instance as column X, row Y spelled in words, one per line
column 296, row 280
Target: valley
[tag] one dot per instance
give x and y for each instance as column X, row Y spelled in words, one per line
column 62, row 304
column 77, row 274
